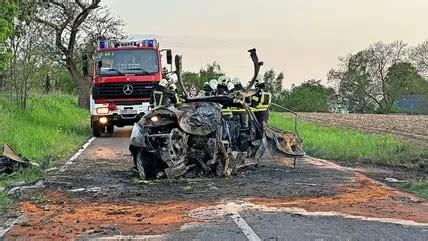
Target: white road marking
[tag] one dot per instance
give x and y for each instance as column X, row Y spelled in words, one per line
column 76, row 155
column 223, row 209
column 245, row 227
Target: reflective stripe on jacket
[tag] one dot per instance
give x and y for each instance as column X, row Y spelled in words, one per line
column 157, row 98
column 263, row 102
column 227, row 111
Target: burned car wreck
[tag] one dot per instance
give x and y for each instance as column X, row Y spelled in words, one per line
column 194, row 138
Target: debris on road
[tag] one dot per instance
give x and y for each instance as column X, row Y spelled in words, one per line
column 393, row 180
column 12, row 162
column 16, row 190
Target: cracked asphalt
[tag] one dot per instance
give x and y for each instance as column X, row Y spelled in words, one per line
column 99, row 197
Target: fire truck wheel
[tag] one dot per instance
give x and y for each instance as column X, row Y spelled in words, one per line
column 110, row 129
column 96, row 130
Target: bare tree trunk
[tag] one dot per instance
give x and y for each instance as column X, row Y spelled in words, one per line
column 82, row 84
column 84, row 88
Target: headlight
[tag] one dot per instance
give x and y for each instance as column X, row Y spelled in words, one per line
column 103, row 120
column 102, row 110
column 154, row 119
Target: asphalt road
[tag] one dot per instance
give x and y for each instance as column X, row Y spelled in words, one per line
column 98, row 196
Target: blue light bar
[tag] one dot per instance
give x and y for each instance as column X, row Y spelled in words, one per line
column 150, row 43
column 102, row 44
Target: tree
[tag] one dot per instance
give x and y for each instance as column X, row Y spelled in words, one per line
column 273, row 82
column 404, row 79
column 362, row 78
column 8, row 11
column 65, row 20
column 29, row 63
column 353, row 84
column 211, row 71
column 419, row 57
column 191, row 78
column 310, row 96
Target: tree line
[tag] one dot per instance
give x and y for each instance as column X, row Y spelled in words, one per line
column 372, row 80
column 42, row 43
column 369, row 81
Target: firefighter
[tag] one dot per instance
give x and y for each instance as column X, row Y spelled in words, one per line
column 222, row 89
column 260, row 103
column 240, row 114
column 177, row 99
column 237, row 85
column 213, row 85
column 165, row 74
column 161, row 95
column 207, row 91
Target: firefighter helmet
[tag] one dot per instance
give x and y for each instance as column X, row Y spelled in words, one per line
column 236, row 81
column 213, row 84
column 172, row 87
column 259, row 83
column 223, row 80
column 163, row 82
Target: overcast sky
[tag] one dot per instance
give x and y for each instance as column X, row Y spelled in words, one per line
column 303, row 38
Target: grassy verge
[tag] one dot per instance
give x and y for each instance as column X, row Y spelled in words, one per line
column 52, row 127
column 420, row 188
column 347, row 145
column 353, row 147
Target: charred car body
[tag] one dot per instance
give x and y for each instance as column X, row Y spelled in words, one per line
column 194, row 138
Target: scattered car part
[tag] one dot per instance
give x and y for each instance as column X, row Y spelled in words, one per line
column 11, row 162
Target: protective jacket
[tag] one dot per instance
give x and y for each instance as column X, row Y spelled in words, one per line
column 162, row 96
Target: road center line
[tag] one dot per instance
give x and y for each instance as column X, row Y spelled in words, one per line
column 76, row 155
column 246, row 229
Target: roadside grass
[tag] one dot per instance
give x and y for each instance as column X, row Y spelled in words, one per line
column 52, row 127
column 420, row 188
column 352, row 146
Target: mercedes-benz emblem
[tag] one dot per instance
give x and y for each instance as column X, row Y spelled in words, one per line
column 128, row 89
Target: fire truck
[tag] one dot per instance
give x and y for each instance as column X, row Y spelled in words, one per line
column 124, row 76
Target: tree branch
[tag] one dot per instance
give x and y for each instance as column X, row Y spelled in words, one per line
column 79, row 20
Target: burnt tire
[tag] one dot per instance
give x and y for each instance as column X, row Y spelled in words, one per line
column 145, row 163
column 97, row 130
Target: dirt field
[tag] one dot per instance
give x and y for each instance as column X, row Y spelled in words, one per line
column 412, row 128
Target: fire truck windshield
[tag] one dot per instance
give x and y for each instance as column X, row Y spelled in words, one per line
column 121, row 62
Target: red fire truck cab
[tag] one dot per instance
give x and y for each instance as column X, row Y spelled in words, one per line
column 124, row 76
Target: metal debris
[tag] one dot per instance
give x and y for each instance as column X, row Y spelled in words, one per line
column 393, row 180
column 11, row 162
column 17, row 190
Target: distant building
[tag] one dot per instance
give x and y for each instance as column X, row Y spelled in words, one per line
column 415, row 104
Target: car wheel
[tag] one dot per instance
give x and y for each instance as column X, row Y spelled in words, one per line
column 145, row 165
